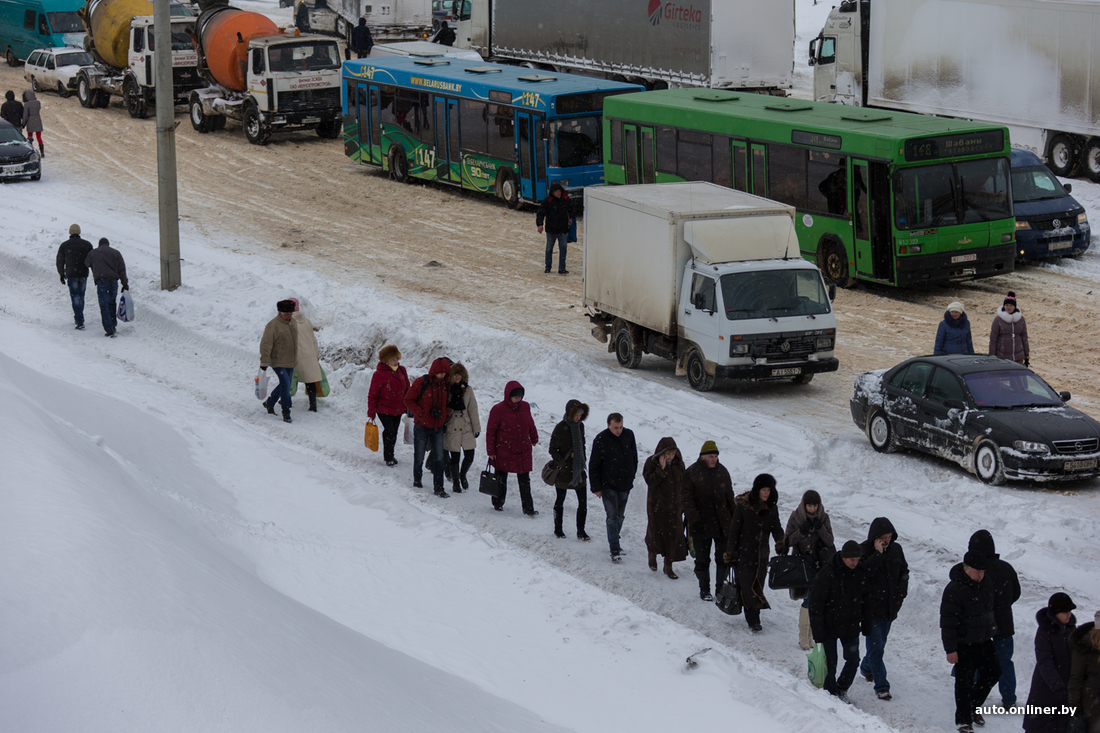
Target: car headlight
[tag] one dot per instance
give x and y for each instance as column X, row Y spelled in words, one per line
column 1082, row 219
column 738, row 348
column 1026, row 446
column 823, row 344
column 1022, row 225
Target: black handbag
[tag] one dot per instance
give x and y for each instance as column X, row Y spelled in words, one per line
column 491, row 484
column 550, row 470
column 728, row 598
column 791, row 571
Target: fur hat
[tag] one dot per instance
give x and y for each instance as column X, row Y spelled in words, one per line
column 388, row 352
column 976, row 560
column 811, row 497
column 459, row 368
column 764, row 479
column 851, row 549
column 74, row 229
column 285, row 306
column 1010, row 298
column 1060, row 603
column 955, row 305
column 710, row 448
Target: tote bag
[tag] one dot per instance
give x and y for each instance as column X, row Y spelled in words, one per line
column 370, row 436
column 261, row 384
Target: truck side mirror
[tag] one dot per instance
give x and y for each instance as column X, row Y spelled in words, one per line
column 813, row 53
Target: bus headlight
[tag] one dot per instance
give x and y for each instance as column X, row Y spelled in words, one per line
column 825, row 344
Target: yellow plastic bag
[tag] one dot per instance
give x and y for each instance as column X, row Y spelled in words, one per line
column 370, row 436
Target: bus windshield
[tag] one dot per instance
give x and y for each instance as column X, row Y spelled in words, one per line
column 305, row 56
column 67, row 22
column 774, row 294
column 952, row 193
column 575, row 142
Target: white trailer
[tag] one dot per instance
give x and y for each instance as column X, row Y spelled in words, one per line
column 1031, row 65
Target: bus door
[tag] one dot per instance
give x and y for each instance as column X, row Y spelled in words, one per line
column 759, row 170
column 525, row 143
column 446, row 140
column 870, row 207
column 541, row 130
column 361, row 115
column 639, row 146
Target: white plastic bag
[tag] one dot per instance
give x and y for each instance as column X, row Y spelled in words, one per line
column 261, row 384
column 126, row 307
column 409, row 430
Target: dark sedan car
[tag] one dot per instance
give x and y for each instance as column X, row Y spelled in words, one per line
column 991, row 416
column 18, row 158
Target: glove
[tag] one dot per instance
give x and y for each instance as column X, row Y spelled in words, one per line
column 696, row 528
column 806, row 527
column 62, row 279
column 436, row 413
column 1027, row 362
column 780, row 548
column 263, row 369
column 730, row 558
column 125, row 288
column 818, row 522
column 477, row 435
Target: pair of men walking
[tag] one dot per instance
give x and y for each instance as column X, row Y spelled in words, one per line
column 75, row 257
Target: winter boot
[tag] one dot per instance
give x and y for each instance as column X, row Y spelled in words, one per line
column 653, row 561
column 704, row 585
column 456, row 487
column 41, row 150
column 805, row 638
column 669, row 571
column 311, row 393
column 286, row 417
column 558, row 531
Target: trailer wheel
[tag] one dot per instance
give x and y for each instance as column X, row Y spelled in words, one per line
column 135, row 100
column 62, row 91
column 102, row 98
column 833, row 263
column 399, row 165
column 34, row 85
column 9, row 56
column 625, row 352
column 697, row 375
column 84, row 91
column 199, row 120
column 507, row 188
column 1062, row 155
column 254, row 128
column 329, row 130
column 1090, row 162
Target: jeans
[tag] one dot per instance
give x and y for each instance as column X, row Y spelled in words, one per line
column 702, row 545
column 107, row 291
column 391, row 426
column 975, row 675
column 582, row 507
column 525, row 499
column 614, row 504
column 850, row 649
column 281, row 394
column 1007, row 684
column 551, row 239
column 876, row 644
column 77, row 287
column 422, row 436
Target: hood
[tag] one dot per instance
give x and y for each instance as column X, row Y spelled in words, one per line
column 572, row 406
column 664, row 444
column 1046, row 621
column 1079, row 638
column 28, row 95
column 555, row 186
column 512, row 385
column 801, row 515
column 879, row 527
column 1065, row 207
column 459, row 368
column 1041, row 424
column 961, row 322
column 981, row 541
column 439, row 366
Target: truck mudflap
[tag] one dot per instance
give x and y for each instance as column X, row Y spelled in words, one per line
column 987, row 262
column 776, row 371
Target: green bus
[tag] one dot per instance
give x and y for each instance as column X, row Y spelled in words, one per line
column 889, row 197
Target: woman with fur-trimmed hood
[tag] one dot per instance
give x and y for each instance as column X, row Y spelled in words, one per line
column 463, row 427
column 568, row 453
column 755, row 516
column 664, row 535
column 1008, row 335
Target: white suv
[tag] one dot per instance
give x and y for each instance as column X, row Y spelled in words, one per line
column 55, row 68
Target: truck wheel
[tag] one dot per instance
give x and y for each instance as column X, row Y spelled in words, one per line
column 102, row 98
column 508, row 189
column 254, row 128
column 84, row 91
column 199, row 120
column 34, row 85
column 697, row 375
column 1062, row 155
column 1090, row 162
column 135, row 100
column 625, row 352
column 9, row 56
column 399, row 165
column 832, row 260
column 62, row 91
column 329, row 130
column 987, row 463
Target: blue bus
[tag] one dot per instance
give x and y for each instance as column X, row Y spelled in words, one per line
column 29, row 24
column 498, row 129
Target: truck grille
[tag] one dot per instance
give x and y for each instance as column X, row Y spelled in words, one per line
column 186, row 78
column 309, row 99
column 773, row 348
column 1085, row 445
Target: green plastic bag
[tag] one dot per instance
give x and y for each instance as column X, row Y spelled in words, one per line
column 324, row 383
column 816, row 666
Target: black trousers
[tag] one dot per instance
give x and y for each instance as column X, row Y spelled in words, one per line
column 976, row 673
column 702, row 544
column 525, row 499
column 582, row 507
column 467, row 461
column 850, row 646
column 391, row 427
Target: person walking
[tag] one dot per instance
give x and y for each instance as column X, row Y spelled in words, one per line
column 966, row 629
column 611, row 471
column 1008, row 335
column 567, row 450
column 510, row 435
column 386, row 398
column 1083, row 691
column 888, row 585
column 463, row 427
column 426, row 399
column 12, row 110
column 1050, row 680
column 810, row 533
column 361, row 40
column 755, row 516
column 554, row 216
column 446, row 35
column 664, row 534
column 838, row 612
column 32, row 119
column 301, row 18
column 108, row 270
column 279, row 350
column 308, row 363
column 953, row 335
column 708, row 510
column 1006, row 591
column 71, row 256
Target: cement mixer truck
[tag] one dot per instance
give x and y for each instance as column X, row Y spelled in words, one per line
column 120, row 38
column 266, row 79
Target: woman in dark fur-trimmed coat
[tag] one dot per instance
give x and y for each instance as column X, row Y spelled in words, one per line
column 1049, row 682
column 664, row 535
column 755, row 516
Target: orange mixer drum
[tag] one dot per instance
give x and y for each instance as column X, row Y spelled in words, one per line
column 225, row 36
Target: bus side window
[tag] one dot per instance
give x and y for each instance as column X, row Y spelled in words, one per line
column 759, row 171
column 787, row 174
column 693, row 155
column 666, row 150
column 827, row 187
column 722, row 170
column 617, row 142
column 740, row 167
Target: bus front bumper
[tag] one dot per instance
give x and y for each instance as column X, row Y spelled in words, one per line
column 987, row 262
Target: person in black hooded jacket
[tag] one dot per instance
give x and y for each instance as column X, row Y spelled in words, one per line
column 838, row 612
column 1050, row 680
column 554, row 216
column 70, row 266
column 755, row 516
column 1006, row 591
column 967, row 628
column 888, row 584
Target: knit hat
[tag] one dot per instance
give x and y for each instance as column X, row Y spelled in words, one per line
column 74, row 229
column 710, row 448
column 297, row 306
column 976, row 560
column 955, row 306
column 1060, row 603
column 285, row 306
column 811, row 497
column 388, row 352
column 851, row 549
column 1010, row 298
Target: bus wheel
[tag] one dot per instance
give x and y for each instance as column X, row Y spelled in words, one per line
column 399, row 165
column 833, row 263
column 507, row 188
column 1062, row 155
column 1090, row 163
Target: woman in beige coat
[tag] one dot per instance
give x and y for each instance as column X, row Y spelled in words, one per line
column 463, row 426
column 307, row 366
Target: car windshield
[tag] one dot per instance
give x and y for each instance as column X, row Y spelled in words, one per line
column 9, row 134
column 952, row 193
column 305, row 56
column 1015, row 388
column 1035, row 184
column 67, row 22
column 575, row 142
column 75, row 58
column 773, row 294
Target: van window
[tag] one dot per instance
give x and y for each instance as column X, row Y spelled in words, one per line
column 65, row 22
column 43, row 26
column 28, row 20
column 703, row 293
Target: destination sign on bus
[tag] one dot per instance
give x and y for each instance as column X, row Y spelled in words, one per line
column 574, row 104
column 817, row 139
column 950, row 146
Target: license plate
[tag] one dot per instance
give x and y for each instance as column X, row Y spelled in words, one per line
column 1079, row 465
column 1062, row 244
column 13, row 169
column 963, row 258
column 788, row 372
column 311, row 120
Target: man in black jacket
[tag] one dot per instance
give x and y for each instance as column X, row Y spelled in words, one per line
column 361, row 41
column 967, row 628
column 888, row 584
column 611, row 470
column 555, row 216
column 707, row 498
column 108, row 270
column 838, row 612
column 1006, row 591
column 70, row 266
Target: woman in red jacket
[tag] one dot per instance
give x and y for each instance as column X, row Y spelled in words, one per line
column 509, row 437
column 426, row 400
column 386, row 398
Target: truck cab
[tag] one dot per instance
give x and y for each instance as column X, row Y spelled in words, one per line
column 142, row 56
column 293, row 82
column 836, row 55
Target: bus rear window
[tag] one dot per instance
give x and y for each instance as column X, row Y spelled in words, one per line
column 575, row 142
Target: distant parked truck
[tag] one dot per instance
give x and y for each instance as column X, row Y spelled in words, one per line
column 742, row 44
column 266, row 79
column 708, row 277
column 29, row 24
column 1031, row 65
column 395, row 20
column 121, row 38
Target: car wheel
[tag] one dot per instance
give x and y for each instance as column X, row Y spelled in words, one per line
column 1062, row 155
column 34, row 85
column 880, row 432
column 697, row 375
column 254, row 128
column 9, row 56
column 987, row 463
column 804, row 379
column 199, row 120
column 62, row 91
column 135, row 100
column 625, row 352
column 508, row 189
column 1090, row 162
column 832, row 260
column 399, row 165
column 84, row 91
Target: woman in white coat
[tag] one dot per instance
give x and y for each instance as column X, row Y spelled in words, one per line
column 308, row 366
column 463, row 427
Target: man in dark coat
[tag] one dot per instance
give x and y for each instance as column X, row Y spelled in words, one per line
column 427, row 401
column 555, row 215
column 611, row 471
column 108, row 270
column 361, row 40
column 1006, row 591
column 708, row 510
column 1050, row 680
column 446, row 35
column 567, row 446
column 301, row 18
column 755, row 516
column 838, row 612
column 71, row 256
column 888, row 584
column 509, row 436
column 967, row 628
column 12, row 110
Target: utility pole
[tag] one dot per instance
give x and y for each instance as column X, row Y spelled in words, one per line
column 166, row 150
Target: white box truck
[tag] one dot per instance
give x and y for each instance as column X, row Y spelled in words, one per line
column 708, row 277
column 1031, row 65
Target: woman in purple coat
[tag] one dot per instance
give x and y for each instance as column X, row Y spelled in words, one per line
column 1008, row 336
column 509, row 436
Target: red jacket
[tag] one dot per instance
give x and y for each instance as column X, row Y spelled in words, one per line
column 387, row 391
column 510, row 433
column 428, row 393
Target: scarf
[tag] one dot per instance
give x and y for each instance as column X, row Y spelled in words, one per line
column 578, row 453
column 456, row 402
